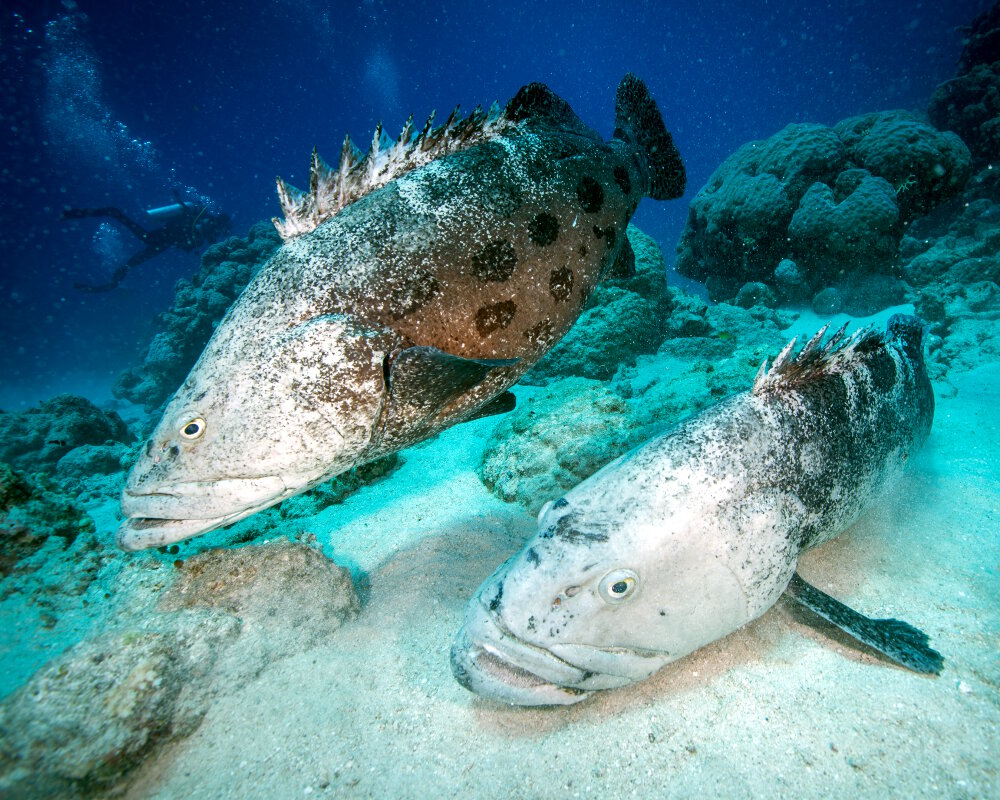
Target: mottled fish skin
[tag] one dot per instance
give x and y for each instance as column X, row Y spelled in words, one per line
column 410, row 308
column 698, row 531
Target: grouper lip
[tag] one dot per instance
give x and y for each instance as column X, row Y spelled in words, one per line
column 158, row 518
column 483, row 661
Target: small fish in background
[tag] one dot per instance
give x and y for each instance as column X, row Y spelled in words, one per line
column 416, row 284
column 697, row 532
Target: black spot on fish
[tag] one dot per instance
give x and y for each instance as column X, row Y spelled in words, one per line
column 543, row 229
column 531, row 623
column 495, row 262
column 623, row 180
column 608, row 234
column 582, row 250
column 412, row 296
column 532, row 556
column 541, row 333
column 590, row 194
column 497, row 598
column 494, row 317
column 561, row 284
column 562, row 502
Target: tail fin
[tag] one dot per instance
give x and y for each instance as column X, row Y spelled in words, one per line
column 910, row 331
column 638, row 122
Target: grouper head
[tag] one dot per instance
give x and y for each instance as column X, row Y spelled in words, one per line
column 594, row 602
column 262, row 416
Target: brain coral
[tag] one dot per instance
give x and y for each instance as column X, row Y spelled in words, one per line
column 804, row 191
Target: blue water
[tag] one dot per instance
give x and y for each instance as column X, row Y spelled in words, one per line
column 108, row 104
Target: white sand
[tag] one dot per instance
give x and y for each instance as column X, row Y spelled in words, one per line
column 778, row 709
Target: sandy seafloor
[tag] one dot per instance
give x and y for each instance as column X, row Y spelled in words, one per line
column 778, row 709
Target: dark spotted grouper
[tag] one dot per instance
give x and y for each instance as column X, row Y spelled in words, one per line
column 698, row 531
column 415, row 285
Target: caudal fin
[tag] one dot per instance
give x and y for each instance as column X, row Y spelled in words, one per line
column 638, row 122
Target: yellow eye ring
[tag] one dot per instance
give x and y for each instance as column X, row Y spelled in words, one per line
column 618, row 585
column 194, row 429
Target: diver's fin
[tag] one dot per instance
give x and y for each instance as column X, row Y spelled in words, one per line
column 500, row 404
column 638, row 122
column 428, row 378
column 624, row 266
column 894, row 638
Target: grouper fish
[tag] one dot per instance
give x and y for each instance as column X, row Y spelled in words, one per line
column 415, row 285
column 698, row 531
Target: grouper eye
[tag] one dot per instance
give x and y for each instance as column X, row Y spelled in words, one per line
column 618, row 585
column 193, row 429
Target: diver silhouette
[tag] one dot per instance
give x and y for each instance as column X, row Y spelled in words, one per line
column 186, row 226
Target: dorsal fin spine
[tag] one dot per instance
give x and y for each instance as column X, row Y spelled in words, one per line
column 788, row 370
column 357, row 173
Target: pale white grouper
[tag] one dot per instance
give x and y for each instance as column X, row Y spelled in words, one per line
column 415, row 285
column 697, row 532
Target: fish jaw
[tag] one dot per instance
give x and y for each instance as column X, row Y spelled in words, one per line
column 491, row 662
column 181, row 510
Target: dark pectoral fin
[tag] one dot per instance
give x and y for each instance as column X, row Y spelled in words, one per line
column 624, row 266
column 500, row 404
column 427, row 378
column 894, row 638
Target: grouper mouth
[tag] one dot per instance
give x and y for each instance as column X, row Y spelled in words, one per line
column 489, row 660
column 182, row 510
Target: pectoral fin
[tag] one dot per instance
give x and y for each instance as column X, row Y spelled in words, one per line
column 427, row 379
column 500, row 404
column 894, row 638
column 624, row 264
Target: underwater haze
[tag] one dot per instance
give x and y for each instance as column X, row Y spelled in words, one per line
column 112, row 105
column 548, row 451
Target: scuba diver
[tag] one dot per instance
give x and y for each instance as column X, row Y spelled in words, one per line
column 184, row 225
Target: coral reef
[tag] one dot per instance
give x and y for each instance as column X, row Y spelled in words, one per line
column 814, row 207
column 36, row 439
column 198, row 306
column 33, row 510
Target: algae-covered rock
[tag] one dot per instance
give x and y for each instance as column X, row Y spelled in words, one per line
column 36, row 439
column 82, row 722
column 33, row 510
column 924, row 166
column 565, row 432
column 281, row 587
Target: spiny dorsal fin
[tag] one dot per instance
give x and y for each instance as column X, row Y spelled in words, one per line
column 788, row 370
column 330, row 190
column 357, row 175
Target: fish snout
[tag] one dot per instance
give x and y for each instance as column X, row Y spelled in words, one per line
column 164, row 513
column 491, row 662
